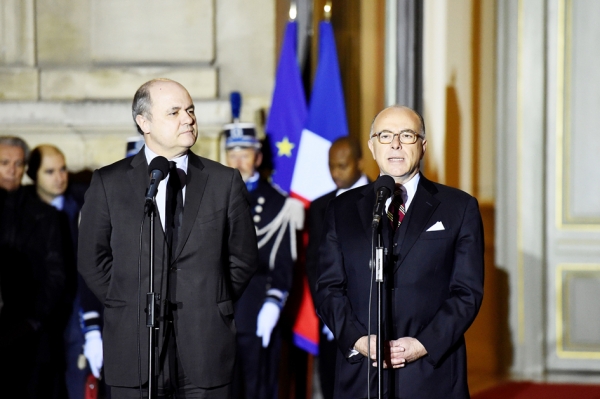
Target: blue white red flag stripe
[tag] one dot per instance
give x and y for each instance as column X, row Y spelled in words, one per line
column 326, row 121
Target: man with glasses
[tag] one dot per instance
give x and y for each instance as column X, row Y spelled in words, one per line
column 433, row 273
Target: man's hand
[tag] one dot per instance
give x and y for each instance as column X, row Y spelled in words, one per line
column 363, row 343
column 396, row 352
column 405, row 350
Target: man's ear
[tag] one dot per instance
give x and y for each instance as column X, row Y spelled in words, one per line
column 143, row 123
column 370, row 144
column 258, row 160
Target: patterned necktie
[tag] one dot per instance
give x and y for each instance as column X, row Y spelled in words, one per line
column 396, row 209
column 173, row 207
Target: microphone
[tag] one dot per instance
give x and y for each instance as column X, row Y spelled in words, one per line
column 384, row 187
column 158, row 170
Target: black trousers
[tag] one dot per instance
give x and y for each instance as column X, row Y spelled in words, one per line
column 257, row 368
column 172, row 382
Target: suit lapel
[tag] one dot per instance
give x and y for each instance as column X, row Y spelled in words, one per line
column 365, row 209
column 196, row 182
column 139, row 178
column 138, row 174
column 421, row 208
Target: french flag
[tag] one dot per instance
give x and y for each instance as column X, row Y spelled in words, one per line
column 288, row 112
column 326, row 121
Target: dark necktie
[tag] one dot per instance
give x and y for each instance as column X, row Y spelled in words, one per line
column 173, row 208
column 396, row 209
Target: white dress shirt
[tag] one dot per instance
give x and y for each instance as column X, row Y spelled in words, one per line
column 408, row 192
column 161, row 196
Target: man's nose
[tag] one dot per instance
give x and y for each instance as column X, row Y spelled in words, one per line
column 396, row 142
column 188, row 119
column 12, row 169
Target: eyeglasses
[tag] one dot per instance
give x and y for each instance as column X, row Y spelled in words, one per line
column 405, row 137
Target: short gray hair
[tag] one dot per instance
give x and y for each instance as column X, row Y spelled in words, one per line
column 142, row 102
column 14, row 141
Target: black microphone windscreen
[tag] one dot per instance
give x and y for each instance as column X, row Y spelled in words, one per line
column 159, row 163
column 385, row 181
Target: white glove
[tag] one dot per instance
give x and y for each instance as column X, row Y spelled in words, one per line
column 92, row 350
column 327, row 332
column 266, row 321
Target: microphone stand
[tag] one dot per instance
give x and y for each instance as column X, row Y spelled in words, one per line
column 378, row 262
column 150, row 305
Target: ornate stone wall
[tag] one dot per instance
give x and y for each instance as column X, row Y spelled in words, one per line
column 69, row 68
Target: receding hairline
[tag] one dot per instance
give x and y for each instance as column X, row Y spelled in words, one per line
column 400, row 107
column 49, row 149
column 151, row 83
column 154, row 83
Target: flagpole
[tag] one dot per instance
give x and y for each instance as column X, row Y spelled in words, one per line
column 293, row 13
column 327, row 11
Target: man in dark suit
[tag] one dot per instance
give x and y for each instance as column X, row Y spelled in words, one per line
column 257, row 313
column 205, row 253
column 82, row 311
column 345, row 166
column 32, row 282
column 433, row 273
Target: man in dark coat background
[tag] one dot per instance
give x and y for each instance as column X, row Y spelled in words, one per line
column 82, row 338
column 433, row 273
column 32, row 282
column 345, row 166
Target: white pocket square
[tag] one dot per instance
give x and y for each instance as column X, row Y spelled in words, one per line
column 436, row 227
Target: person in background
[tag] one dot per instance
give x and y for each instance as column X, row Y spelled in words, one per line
column 258, row 311
column 83, row 340
column 32, row 278
column 345, row 166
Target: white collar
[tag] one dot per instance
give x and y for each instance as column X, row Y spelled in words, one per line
column 182, row 161
column 362, row 180
column 409, row 189
column 58, row 202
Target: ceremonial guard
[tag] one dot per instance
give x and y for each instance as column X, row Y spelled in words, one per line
column 257, row 312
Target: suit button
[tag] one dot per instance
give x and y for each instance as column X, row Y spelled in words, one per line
column 173, row 269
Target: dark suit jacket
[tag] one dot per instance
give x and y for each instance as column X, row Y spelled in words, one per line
column 434, row 288
column 214, row 260
column 316, row 219
column 79, row 295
